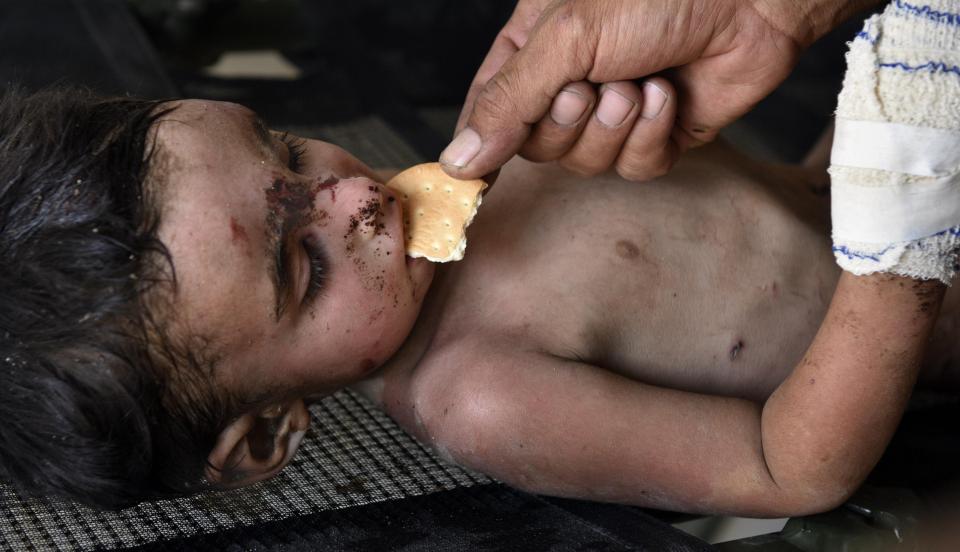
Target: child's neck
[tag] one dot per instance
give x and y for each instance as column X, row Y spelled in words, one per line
column 394, row 375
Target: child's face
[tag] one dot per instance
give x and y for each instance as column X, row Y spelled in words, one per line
column 297, row 275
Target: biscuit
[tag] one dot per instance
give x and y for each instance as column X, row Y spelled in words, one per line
column 437, row 209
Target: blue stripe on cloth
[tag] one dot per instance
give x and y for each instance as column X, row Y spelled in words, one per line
column 875, row 256
column 929, row 13
column 864, row 35
column 851, row 254
column 930, row 66
column 955, row 232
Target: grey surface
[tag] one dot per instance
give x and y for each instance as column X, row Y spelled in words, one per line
column 368, row 138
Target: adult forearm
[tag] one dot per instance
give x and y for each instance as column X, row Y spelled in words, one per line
column 826, row 426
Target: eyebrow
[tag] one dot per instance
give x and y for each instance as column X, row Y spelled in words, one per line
column 277, row 244
column 262, row 132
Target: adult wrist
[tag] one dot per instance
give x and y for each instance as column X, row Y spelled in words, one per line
column 808, row 20
column 841, row 11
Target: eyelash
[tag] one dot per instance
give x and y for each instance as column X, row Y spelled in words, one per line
column 297, row 150
column 318, row 268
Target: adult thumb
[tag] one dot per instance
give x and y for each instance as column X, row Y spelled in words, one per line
column 513, row 100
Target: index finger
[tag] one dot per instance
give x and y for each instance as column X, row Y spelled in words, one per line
column 503, row 47
column 519, row 94
column 510, row 39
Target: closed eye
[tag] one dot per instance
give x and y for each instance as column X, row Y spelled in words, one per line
column 296, row 151
column 319, row 268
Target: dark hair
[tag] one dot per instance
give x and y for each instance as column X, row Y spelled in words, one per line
column 97, row 403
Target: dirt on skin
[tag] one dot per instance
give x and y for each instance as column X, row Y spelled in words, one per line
column 927, row 292
column 291, row 204
column 367, row 216
column 237, row 232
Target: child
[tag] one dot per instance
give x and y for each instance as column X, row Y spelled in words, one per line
column 183, row 281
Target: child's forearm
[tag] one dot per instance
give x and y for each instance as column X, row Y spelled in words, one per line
column 826, row 426
column 896, row 222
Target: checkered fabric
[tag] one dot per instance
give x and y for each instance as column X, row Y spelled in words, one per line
column 353, row 455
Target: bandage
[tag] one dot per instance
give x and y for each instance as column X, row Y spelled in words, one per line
column 895, row 165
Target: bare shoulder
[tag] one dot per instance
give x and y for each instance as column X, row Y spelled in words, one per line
column 467, row 397
column 462, row 371
column 419, row 395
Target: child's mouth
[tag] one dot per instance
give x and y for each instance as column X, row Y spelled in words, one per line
column 415, row 260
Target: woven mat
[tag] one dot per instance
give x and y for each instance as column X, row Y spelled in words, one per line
column 352, row 455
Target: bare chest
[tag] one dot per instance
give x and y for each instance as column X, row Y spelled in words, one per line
column 704, row 282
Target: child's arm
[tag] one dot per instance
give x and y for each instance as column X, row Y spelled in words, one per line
column 561, row 427
column 826, row 425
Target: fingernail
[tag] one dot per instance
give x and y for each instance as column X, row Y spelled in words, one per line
column 654, row 98
column 613, row 108
column 568, row 107
column 464, row 147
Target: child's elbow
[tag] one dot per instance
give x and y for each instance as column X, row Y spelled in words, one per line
column 813, row 497
column 821, row 500
column 798, row 484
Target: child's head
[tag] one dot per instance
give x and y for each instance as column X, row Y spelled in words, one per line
column 177, row 279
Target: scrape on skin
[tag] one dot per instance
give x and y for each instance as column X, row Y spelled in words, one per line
column 237, row 232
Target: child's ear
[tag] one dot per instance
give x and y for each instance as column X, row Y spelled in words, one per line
column 257, row 445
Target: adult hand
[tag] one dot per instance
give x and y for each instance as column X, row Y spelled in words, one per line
column 535, row 92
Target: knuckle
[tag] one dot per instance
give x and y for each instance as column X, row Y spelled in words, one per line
column 536, row 155
column 644, row 160
column 583, row 88
column 636, row 170
column 571, row 21
column 661, row 168
column 543, row 150
column 556, row 143
column 690, row 136
column 631, row 173
column 577, row 166
column 627, row 89
column 494, row 99
column 571, row 16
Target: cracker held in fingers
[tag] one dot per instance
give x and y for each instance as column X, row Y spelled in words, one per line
column 437, row 209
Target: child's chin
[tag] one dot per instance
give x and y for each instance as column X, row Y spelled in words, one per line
column 421, row 274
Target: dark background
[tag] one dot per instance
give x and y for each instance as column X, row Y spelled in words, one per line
column 407, row 62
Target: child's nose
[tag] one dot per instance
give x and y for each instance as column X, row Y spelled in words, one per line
column 362, row 199
column 354, row 194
